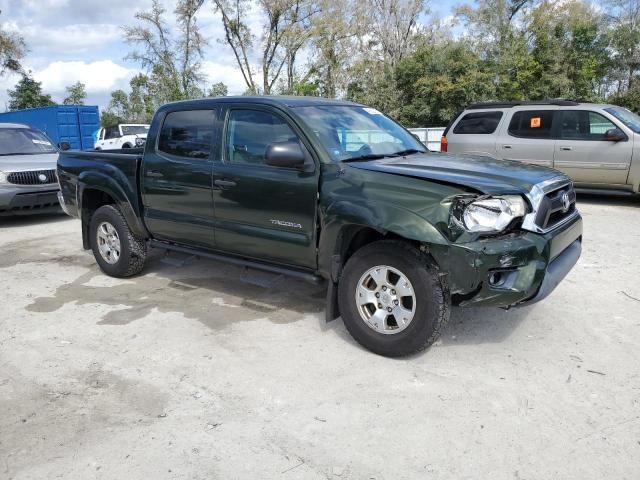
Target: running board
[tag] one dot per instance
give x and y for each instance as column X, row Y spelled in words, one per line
column 240, row 261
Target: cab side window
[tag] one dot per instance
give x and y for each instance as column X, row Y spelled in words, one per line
column 480, row 123
column 187, row 134
column 250, row 132
column 584, row 125
column 532, row 124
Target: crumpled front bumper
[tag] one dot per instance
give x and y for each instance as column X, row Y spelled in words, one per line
column 515, row 269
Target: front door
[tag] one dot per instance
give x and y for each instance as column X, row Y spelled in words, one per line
column 176, row 179
column 528, row 137
column 584, row 154
column 261, row 211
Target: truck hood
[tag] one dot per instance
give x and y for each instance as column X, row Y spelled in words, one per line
column 486, row 175
column 19, row 163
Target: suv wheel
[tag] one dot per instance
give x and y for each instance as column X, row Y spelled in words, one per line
column 392, row 299
column 118, row 252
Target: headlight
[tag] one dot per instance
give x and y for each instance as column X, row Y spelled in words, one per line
column 490, row 215
column 140, row 142
column 3, row 177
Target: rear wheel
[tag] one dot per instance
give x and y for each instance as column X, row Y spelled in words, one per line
column 119, row 252
column 392, row 299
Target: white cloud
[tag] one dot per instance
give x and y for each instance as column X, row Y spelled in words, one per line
column 100, row 76
column 229, row 74
column 66, row 39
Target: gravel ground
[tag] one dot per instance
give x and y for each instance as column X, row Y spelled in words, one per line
column 198, row 370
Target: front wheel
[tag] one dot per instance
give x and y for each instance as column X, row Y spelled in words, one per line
column 392, row 299
column 119, row 252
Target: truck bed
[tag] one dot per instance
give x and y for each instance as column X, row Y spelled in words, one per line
column 114, row 173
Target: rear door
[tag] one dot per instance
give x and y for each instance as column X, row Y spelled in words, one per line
column 262, row 211
column 177, row 175
column 583, row 153
column 528, row 136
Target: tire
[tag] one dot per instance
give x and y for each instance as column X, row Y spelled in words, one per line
column 430, row 304
column 125, row 146
column 132, row 250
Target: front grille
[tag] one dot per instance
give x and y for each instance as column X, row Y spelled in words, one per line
column 554, row 209
column 34, row 177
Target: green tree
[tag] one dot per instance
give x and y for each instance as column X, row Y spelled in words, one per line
column 28, row 94
column 438, row 80
column 218, row 90
column 119, row 104
column 110, row 119
column 140, row 101
column 76, row 94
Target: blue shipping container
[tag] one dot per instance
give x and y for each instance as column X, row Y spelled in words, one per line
column 74, row 124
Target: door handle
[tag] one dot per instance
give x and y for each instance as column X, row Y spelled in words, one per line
column 154, row 174
column 506, row 146
column 566, row 149
column 225, row 183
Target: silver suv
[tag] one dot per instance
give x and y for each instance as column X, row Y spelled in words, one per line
column 598, row 146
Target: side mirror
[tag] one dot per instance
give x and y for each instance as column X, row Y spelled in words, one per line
column 64, row 146
column 285, row 154
column 614, row 135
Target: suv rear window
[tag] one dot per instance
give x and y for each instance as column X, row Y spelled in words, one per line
column 478, row 123
column 532, row 124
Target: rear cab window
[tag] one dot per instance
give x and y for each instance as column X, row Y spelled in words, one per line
column 187, row 134
column 478, row 123
column 532, row 124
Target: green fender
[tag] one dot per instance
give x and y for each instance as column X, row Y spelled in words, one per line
column 126, row 201
column 342, row 220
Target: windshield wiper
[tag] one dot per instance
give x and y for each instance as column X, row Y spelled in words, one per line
column 378, row 156
column 364, row 158
column 408, row 151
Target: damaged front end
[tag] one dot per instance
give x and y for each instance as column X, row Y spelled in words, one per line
column 510, row 250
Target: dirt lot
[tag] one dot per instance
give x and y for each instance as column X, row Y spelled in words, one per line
column 199, row 370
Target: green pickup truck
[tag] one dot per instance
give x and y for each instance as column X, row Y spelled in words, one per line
column 331, row 192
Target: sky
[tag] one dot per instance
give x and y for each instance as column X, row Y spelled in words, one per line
column 82, row 40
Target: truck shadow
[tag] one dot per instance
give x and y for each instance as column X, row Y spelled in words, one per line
column 214, row 293
column 608, row 198
column 18, row 221
column 469, row 326
column 218, row 295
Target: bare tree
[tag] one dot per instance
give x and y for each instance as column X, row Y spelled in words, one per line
column 393, row 23
column 238, row 36
column 286, row 30
column 171, row 58
column 12, row 49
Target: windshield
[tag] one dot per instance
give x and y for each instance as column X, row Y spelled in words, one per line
column 24, row 141
column 627, row 117
column 134, row 129
column 354, row 132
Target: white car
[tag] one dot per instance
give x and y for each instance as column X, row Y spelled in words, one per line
column 129, row 135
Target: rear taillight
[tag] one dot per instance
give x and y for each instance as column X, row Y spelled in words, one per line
column 443, row 144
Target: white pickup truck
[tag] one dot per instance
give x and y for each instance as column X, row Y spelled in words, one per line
column 121, row 136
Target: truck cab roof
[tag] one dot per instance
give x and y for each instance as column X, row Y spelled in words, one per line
column 276, row 100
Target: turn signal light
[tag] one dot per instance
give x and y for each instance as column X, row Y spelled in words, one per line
column 443, row 144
